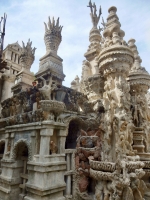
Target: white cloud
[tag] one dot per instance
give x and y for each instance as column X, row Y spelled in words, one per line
column 26, row 17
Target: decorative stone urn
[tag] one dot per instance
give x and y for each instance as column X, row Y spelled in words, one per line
column 55, row 107
column 52, row 109
column 52, row 36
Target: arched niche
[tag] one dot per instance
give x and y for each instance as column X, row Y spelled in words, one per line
column 21, row 149
column 75, row 124
column 2, row 149
column 22, row 154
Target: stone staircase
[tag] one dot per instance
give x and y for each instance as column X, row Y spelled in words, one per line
column 139, row 144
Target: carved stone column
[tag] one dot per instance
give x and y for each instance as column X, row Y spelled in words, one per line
column 33, row 142
column 68, row 178
column 45, row 142
column 62, row 140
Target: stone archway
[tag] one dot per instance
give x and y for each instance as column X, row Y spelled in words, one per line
column 24, row 143
column 74, row 125
column 22, row 153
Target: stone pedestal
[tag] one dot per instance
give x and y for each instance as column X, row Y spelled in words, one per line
column 10, row 179
column 46, row 180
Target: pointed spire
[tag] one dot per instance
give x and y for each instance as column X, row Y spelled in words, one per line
column 49, row 23
column 95, row 18
column 137, row 59
column 53, row 22
column 46, row 29
column 57, row 24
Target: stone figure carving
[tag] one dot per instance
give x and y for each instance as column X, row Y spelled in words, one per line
column 89, row 146
column 47, row 89
column 53, row 147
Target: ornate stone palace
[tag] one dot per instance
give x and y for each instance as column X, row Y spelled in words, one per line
column 87, row 142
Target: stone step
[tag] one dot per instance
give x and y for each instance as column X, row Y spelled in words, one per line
column 139, row 128
column 139, row 132
column 139, row 148
column 144, row 156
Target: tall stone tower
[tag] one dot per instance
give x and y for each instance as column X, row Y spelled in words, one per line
column 92, row 82
column 116, row 96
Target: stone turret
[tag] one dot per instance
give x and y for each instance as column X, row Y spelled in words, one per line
column 51, row 63
column 139, row 80
column 138, row 75
column 27, row 55
column 94, row 36
column 25, row 78
column 91, row 81
column 112, row 30
column 115, row 61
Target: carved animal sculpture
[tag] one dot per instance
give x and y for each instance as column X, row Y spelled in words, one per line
column 46, row 89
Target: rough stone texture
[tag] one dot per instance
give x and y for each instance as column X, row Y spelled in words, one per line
column 87, row 142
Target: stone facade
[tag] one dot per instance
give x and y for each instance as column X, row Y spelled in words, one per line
column 11, row 55
column 87, row 142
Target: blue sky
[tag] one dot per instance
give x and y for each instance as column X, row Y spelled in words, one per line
column 26, row 17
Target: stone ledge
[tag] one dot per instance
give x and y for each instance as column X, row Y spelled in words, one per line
column 10, row 181
column 5, row 190
column 45, row 191
column 34, row 126
column 71, row 172
column 29, row 198
column 47, row 167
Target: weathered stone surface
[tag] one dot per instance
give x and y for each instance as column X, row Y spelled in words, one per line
column 87, row 142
